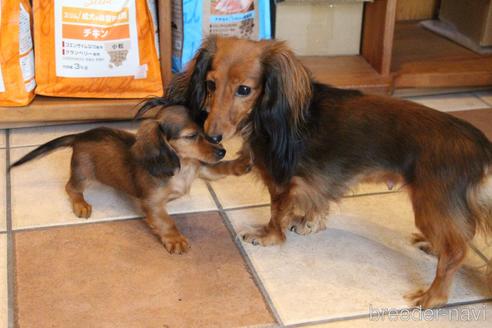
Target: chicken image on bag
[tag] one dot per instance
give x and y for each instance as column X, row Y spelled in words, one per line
column 100, row 49
column 17, row 56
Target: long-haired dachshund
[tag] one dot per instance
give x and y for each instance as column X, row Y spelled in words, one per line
column 157, row 165
column 310, row 142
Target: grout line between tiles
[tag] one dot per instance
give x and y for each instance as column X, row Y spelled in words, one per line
column 385, row 313
column 63, row 225
column 246, row 207
column 75, row 224
column 475, row 93
column 249, row 264
column 482, row 101
column 377, row 193
column 11, row 313
column 478, row 252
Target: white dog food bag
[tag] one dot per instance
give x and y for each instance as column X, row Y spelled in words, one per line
column 17, row 56
column 193, row 20
column 96, row 48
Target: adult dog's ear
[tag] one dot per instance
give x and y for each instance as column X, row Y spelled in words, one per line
column 281, row 110
column 188, row 87
column 153, row 152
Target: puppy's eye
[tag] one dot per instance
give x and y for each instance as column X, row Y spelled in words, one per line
column 210, row 85
column 243, row 91
column 191, row 136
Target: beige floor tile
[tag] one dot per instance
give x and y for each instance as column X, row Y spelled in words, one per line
column 485, row 96
column 364, row 258
column 39, row 135
column 2, row 139
column 451, row 102
column 240, row 191
column 39, row 198
column 483, row 244
column 198, row 200
column 232, row 146
column 3, row 282
column 470, row 316
column 117, row 274
column 3, row 192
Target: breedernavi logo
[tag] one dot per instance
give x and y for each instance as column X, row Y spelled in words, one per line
column 463, row 313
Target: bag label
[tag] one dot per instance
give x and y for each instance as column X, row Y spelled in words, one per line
column 2, row 85
column 155, row 22
column 230, row 18
column 25, row 38
column 96, row 38
column 193, row 20
column 26, row 52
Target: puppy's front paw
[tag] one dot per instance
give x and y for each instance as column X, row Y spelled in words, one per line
column 175, row 243
column 82, row 209
column 242, row 166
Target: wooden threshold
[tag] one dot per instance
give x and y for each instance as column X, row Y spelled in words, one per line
column 352, row 72
column 423, row 59
column 50, row 109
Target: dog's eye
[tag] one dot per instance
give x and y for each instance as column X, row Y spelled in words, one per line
column 243, row 91
column 210, row 85
column 191, row 136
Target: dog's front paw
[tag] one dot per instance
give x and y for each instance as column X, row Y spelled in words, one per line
column 263, row 237
column 82, row 209
column 305, row 227
column 175, row 243
column 426, row 299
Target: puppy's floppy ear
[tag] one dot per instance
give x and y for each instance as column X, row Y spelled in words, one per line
column 281, row 110
column 153, row 152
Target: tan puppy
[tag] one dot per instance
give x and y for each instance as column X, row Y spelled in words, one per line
column 157, row 165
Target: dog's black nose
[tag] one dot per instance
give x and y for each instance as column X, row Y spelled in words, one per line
column 215, row 139
column 220, row 152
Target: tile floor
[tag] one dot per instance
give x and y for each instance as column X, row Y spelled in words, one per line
column 110, row 271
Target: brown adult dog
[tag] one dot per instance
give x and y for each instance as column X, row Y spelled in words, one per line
column 310, row 142
column 155, row 166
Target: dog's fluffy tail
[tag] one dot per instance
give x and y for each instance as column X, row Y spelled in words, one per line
column 65, row 141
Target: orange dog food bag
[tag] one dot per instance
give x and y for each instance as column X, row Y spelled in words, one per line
column 16, row 56
column 95, row 48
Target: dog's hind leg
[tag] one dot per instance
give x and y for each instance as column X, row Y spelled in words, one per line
column 75, row 188
column 434, row 218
